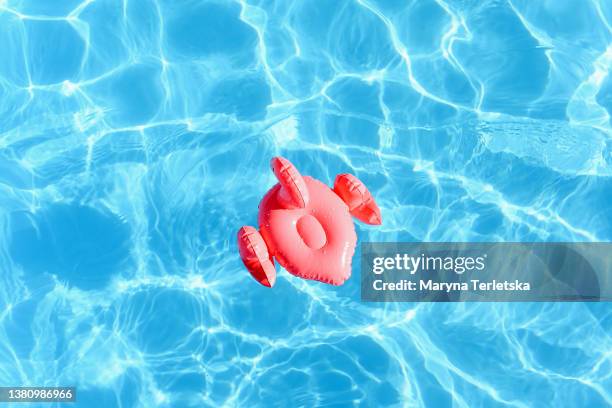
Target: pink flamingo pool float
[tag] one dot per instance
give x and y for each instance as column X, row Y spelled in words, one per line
column 307, row 227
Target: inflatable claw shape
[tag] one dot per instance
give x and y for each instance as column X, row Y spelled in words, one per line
column 306, row 227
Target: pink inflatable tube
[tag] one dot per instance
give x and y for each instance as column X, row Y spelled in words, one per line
column 306, row 227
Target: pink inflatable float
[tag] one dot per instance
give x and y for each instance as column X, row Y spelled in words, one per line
column 307, row 227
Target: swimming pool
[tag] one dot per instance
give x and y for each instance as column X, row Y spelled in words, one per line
column 135, row 139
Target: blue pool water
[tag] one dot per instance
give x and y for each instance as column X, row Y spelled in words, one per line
column 135, row 138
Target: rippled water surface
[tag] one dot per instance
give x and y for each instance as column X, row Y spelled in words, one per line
column 135, row 138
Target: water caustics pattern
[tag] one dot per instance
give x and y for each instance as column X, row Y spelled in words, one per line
column 135, row 138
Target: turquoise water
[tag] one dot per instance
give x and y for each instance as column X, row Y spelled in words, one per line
column 135, row 138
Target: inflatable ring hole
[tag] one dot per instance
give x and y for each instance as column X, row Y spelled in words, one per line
column 311, row 231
